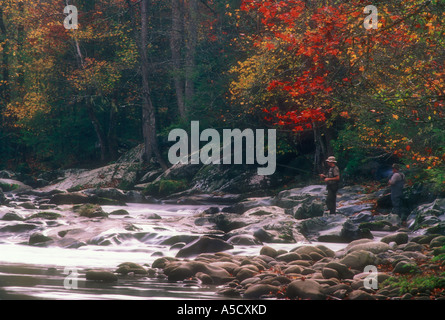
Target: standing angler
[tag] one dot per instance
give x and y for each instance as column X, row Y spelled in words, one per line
column 332, row 179
column 397, row 182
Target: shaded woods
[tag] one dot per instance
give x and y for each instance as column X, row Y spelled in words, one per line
column 134, row 70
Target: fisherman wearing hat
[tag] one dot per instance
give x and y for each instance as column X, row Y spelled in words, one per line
column 332, row 179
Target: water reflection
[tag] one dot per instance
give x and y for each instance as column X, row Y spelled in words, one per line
column 31, row 282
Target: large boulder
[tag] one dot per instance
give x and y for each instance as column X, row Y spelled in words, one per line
column 307, row 210
column 69, row 198
column 374, row 247
column 13, row 186
column 307, row 289
column 398, row 238
column 429, row 214
column 3, row 198
column 347, row 232
column 107, row 193
column 122, row 175
column 203, row 244
column 257, row 290
column 38, row 238
column 178, row 271
column 358, row 259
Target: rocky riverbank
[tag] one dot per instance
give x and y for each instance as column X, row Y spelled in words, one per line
column 405, row 269
column 68, row 212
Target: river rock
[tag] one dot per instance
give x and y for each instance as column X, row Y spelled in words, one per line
column 318, row 191
column 427, row 215
column 119, row 212
column 268, row 251
column 380, row 276
column 90, row 211
column 363, row 216
column 404, row 267
column 307, row 210
column 47, row 215
column 3, row 198
column 412, row 246
column 28, row 205
column 360, row 295
column 343, row 271
column 399, row 238
column 19, row 227
column 438, row 241
column 203, row 244
column 230, row 267
column 308, row 250
column 358, row 259
column 120, row 173
column 288, row 257
column 329, row 273
column 307, row 289
column 12, row 216
column 107, row 193
column 374, row 247
column 181, row 271
column 38, row 238
column 131, row 267
column 244, row 240
column 257, row 290
column 245, row 273
column 69, row 198
column 13, row 186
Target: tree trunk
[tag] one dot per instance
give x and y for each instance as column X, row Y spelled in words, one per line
column 111, row 135
column 5, row 93
column 190, row 56
column 176, row 42
column 320, row 150
column 148, row 111
column 20, row 39
column 101, row 137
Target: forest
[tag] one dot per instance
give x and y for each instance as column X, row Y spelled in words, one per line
column 133, row 70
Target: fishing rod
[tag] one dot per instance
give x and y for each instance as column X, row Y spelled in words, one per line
column 297, row 169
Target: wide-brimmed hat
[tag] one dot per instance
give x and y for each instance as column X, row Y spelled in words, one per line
column 331, row 159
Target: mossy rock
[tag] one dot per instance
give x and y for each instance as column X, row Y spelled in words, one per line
column 6, row 187
column 437, row 242
column 90, row 210
column 127, row 267
column 165, row 188
column 45, row 215
column 377, row 226
column 120, row 212
column 38, row 238
column 437, row 229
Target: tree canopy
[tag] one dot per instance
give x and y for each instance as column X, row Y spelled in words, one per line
column 133, row 70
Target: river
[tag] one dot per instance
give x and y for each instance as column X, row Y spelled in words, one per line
column 36, row 272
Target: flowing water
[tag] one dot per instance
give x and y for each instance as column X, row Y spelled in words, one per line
column 50, row 272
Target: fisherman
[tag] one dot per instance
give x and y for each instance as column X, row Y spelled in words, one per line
column 397, row 181
column 332, row 179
